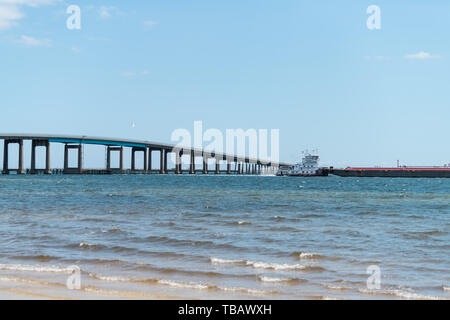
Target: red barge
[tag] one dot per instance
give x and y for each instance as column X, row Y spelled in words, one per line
column 398, row 172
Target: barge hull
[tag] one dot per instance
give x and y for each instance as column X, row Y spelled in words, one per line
column 393, row 173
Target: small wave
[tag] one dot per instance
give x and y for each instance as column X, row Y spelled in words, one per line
column 85, row 245
column 266, row 265
column 241, row 223
column 183, row 285
column 184, row 243
column 447, row 289
column 276, row 266
column 113, row 230
column 225, row 261
column 401, row 294
column 309, row 255
column 111, row 278
column 179, row 284
column 35, row 268
column 282, row 280
column 249, row 291
column 337, row 288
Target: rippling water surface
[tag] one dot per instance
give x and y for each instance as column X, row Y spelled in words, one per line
column 229, row 236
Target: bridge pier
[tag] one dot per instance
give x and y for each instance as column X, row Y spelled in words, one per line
column 34, row 145
column 108, row 159
column 192, row 163
column 79, row 168
column 20, row 169
column 205, row 164
column 178, row 155
column 161, row 161
column 217, row 165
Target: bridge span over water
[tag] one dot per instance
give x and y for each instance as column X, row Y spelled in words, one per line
column 234, row 164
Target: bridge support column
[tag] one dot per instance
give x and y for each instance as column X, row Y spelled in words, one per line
column 20, row 169
column 161, row 161
column 178, row 154
column 166, row 169
column 5, row 158
column 192, row 163
column 79, row 168
column 108, row 158
column 205, row 164
column 228, row 167
column 217, row 166
column 34, row 145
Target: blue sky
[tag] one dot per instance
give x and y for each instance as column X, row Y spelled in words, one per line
column 309, row 68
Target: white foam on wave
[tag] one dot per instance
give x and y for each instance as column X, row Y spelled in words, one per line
column 273, row 279
column 35, row 268
column 110, row 278
column 248, row 291
column 226, row 261
column 87, row 245
column 338, row 288
column 308, row 255
column 261, row 265
column 183, row 285
column 446, row 288
column 402, row 294
column 275, row 266
column 179, row 284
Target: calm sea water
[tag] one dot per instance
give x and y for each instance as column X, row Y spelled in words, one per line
column 229, row 236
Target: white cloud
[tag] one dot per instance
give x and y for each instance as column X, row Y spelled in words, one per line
column 422, row 56
column 9, row 16
column 31, row 3
column 33, row 42
column 10, row 11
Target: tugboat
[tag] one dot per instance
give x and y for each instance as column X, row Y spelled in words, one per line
column 309, row 167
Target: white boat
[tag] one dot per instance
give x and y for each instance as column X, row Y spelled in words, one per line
column 309, row 167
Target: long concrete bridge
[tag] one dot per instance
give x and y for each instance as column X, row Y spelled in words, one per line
column 234, row 164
